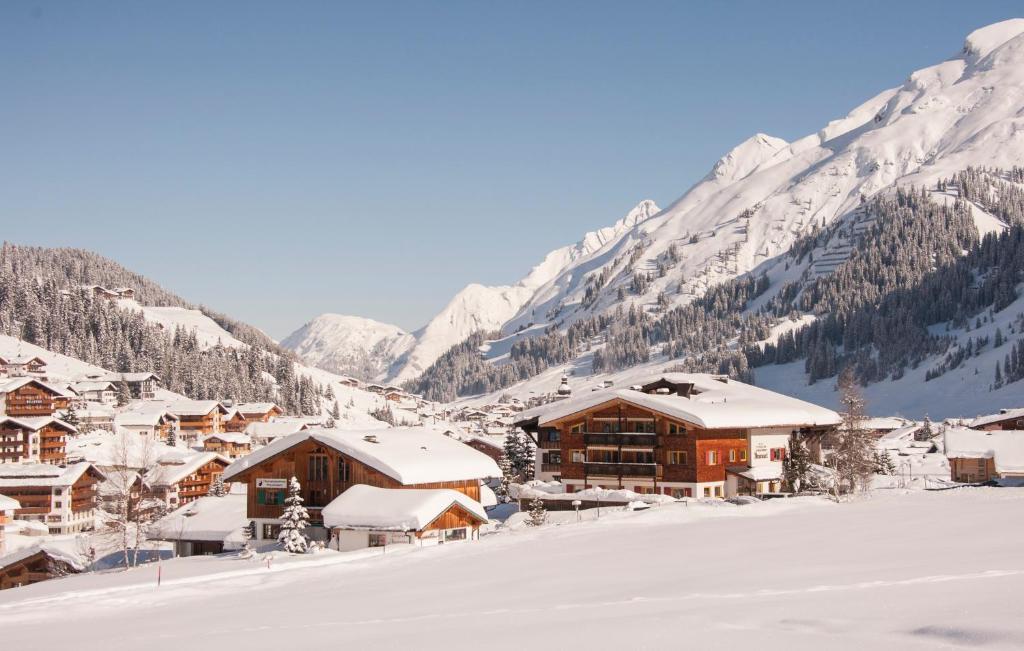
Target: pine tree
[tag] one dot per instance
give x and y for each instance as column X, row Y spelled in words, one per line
column 172, row 436
column 506, row 473
column 796, row 465
column 852, row 456
column 217, row 488
column 538, row 514
column 124, row 395
column 335, row 410
column 883, row 463
column 70, row 416
column 294, row 521
column 925, row 432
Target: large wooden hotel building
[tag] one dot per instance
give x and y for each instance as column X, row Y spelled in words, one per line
column 679, row 434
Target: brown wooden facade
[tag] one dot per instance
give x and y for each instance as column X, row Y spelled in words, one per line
column 323, row 473
column 617, row 444
column 263, row 416
column 15, row 444
column 58, row 506
column 192, row 487
column 229, row 449
column 1010, row 422
column 192, row 426
column 236, row 423
column 972, row 470
column 34, row 399
column 38, row 567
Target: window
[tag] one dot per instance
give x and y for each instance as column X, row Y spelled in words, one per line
column 377, row 540
column 578, row 456
column 718, row 491
column 270, row 531
column 681, row 492
column 707, row 491
column 554, row 457
column 743, row 454
column 575, row 429
column 342, row 471
column 270, row 496
column 714, row 457
column 317, row 467
column 455, row 534
column 732, row 455
column 57, row 505
column 778, row 454
column 554, row 436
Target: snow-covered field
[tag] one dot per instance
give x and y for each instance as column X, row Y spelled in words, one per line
column 896, row 570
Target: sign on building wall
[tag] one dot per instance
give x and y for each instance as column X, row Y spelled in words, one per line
column 267, row 482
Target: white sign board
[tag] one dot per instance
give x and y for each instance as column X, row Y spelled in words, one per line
column 267, row 482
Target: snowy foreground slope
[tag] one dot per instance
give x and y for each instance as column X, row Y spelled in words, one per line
column 923, row 570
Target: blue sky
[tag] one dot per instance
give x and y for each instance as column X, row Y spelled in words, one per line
column 279, row 160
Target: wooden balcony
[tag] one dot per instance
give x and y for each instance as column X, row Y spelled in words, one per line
column 621, row 438
column 545, row 444
column 551, row 467
column 621, row 469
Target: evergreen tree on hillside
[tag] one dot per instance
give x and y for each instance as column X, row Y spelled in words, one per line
column 796, row 465
column 506, row 472
column 124, row 396
column 538, row 514
column 852, row 456
column 294, row 521
column 925, row 432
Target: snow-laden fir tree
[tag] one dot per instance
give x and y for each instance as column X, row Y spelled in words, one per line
column 70, row 416
column 506, row 472
column 217, row 488
column 294, row 521
column 124, row 396
column 925, row 432
column 796, row 465
column 538, row 514
column 172, row 436
column 852, row 457
column 884, row 464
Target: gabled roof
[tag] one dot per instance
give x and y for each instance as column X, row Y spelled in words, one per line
column 93, row 385
column 278, row 429
column 230, row 437
column 714, row 402
column 195, row 407
column 9, row 503
column 129, row 377
column 47, row 549
column 146, row 415
column 44, row 474
column 257, row 407
column 172, row 469
column 208, row 518
column 23, row 359
column 396, row 509
column 17, row 383
column 1004, row 447
column 36, row 423
column 409, row 455
column 1004, row 414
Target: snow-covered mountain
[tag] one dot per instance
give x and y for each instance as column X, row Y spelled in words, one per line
column 764, row 196
column 348, row 344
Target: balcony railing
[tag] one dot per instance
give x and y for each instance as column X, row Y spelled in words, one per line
column 621, row 469
column 622, row 438
column 545, row 444
column 551, row 467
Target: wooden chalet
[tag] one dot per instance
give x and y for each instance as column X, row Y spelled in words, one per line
column 977, row 456
column 65, row 499
column 34, row 439
column 206, row 526
column 1005, row 419
column 101, row 391
column 197, row 418
column 368, row 516
column 180, row 479
column 328, row 462
column 679, row 434
column 23, row 366
column 492, row 446
column 32, row 397
column 152, row 420
column 234, row 421
column 141, row 385
column 231, row 444
column 263, row 412
column 35, row 564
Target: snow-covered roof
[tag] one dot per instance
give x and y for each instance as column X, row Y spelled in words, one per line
column 93, row 385
column 765, row 472
column 257, row 407
column 885, row 423
column 36, row 423
column 8, row 503
column 43, row 474
column 208, row 518
column 1004, row 414
column 147, row 414
column 129, row 377
column 715, row 403
column 53, row 551
column 395, row 509
column 122, row 448
column 261, row 430
column 194, row 407
column 17, row 383
column 1004, row 447
column 410, row 455
column 173, row 468
column 20, row 360
column 230, row 437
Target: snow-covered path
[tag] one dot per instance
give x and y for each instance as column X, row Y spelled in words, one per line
column 914, row 571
